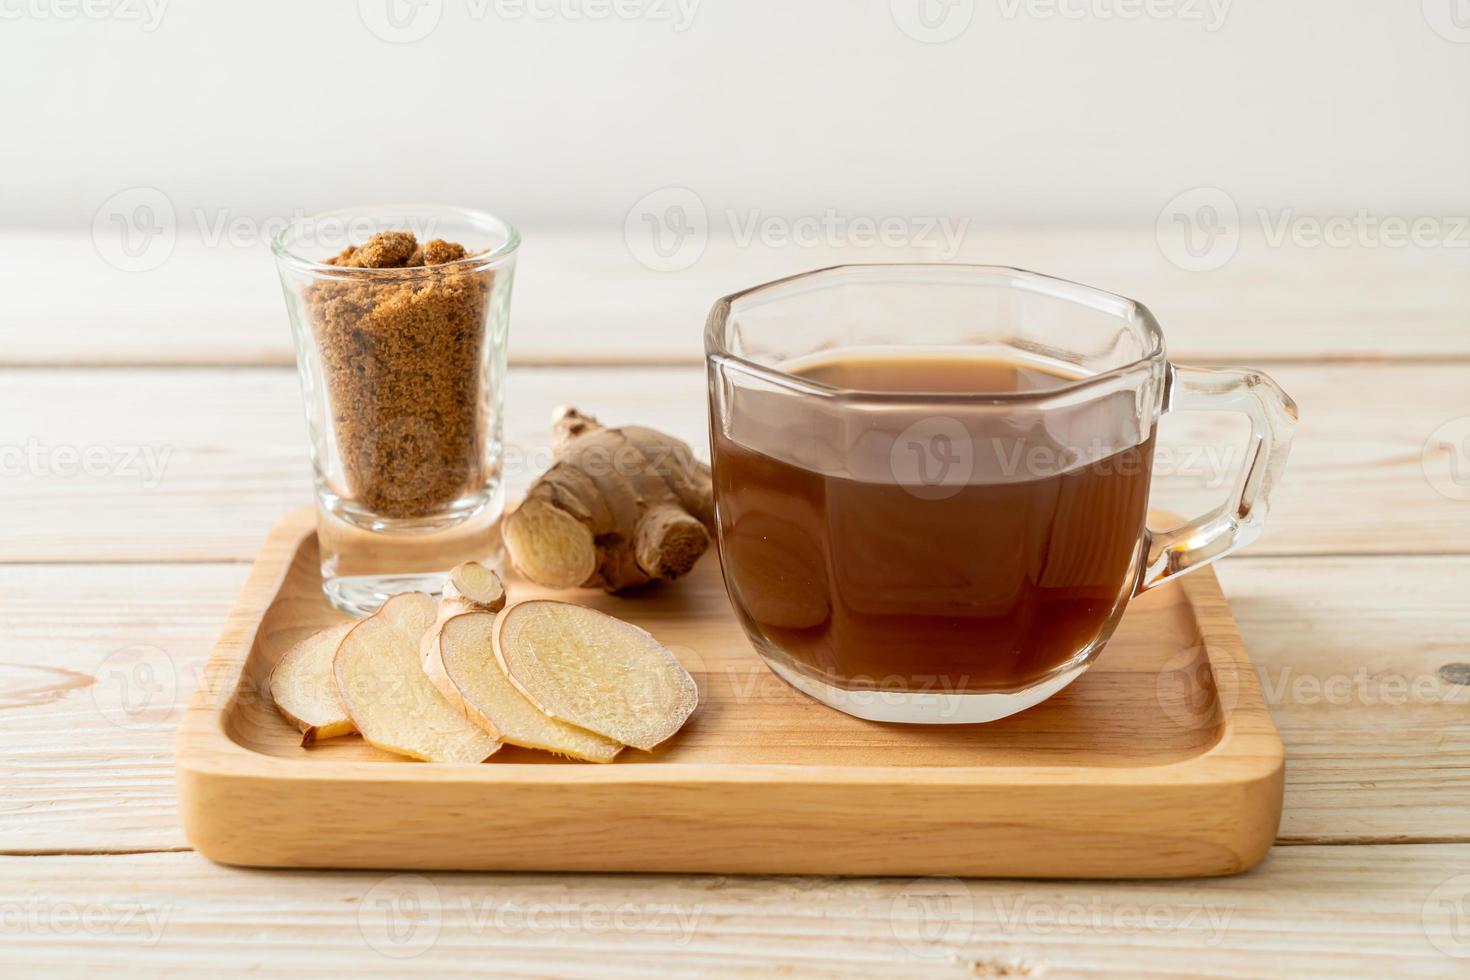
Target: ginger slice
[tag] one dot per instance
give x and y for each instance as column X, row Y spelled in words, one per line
column 594, row 671
column 469, row 587
column 305, row 690
column 549, row 545
column 389, row 697
column 461, row 663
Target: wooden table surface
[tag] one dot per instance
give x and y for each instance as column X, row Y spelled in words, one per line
column 150, row 433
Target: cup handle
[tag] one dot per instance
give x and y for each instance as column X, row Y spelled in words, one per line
column 1238, row 521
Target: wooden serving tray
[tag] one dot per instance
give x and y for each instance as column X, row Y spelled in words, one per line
column 1161, row 761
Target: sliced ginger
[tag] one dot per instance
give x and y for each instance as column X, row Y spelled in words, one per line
column 594, row 671
column 469, row 587
column 305, row 691
column 461, row 663
column 450, row 683
column 389, row 697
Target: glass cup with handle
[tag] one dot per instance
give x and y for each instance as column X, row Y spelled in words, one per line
column 932, row 481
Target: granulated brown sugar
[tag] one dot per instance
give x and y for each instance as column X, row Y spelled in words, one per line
column 401, row 353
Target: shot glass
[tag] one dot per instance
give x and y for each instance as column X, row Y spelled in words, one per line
column 402, row 368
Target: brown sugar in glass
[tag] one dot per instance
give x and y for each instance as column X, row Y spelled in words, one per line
column 401, row 359
column 400, row 317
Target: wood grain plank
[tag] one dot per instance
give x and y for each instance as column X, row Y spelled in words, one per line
column 1365, row 667
column 197, row 464
column 1307, row 912
column 1385, row 758
column 98, row 662
column 582, row 296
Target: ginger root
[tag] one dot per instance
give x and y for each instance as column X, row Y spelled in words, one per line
column 617, row 509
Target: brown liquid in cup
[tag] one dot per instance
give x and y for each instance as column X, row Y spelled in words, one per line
column 868, row 584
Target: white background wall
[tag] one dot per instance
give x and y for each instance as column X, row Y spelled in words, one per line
column 1030, row 113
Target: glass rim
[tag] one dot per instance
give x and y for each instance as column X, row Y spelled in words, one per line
column 716, row 349
column 471, row 216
